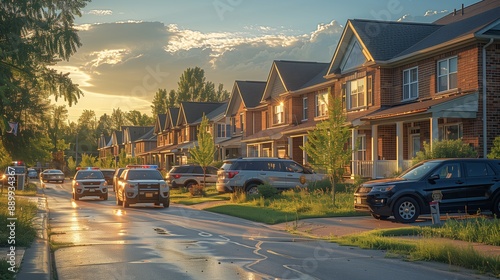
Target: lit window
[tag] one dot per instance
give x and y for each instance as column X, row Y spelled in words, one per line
column 356, row 93
column 410, row 83
column 321, row 103
column 279, row 114
column 447, row 74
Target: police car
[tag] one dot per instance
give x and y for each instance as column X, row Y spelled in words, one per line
column 89, row 181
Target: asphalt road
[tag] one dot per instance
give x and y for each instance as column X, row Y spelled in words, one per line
column 99, row 240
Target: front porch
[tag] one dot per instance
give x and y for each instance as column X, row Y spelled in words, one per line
column 376, row 169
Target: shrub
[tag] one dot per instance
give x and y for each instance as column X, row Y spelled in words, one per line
column 197, row 190
column 267, row 191
column 495, row 150
column 445, row 149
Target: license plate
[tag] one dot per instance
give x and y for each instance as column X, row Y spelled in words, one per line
column 149, row 194
column 92, row 190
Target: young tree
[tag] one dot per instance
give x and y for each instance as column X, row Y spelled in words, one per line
column 203, row 152
column 326, row 144
column 160, row 101
column 495, row 150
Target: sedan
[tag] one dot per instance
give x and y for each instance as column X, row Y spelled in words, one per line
column 32, row 174
column 54, row 175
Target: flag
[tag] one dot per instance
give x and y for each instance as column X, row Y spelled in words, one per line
column 13, row 128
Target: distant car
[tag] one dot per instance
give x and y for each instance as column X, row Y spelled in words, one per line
column 248, row 173
column 89, row 182
column 142, row 184
column 463, row 185
column 52, row 175
column 116, row 176
column 189, row 175
column 108, row 175
column 32, row 174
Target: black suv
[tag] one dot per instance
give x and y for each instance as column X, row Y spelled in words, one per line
column 464, row 185
column 189, row 175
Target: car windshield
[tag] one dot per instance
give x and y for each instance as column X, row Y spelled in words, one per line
column 144, row 175
column 418, row 171
column 54, row 171
column 82, row 175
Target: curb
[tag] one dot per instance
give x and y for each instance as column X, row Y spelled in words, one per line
column 36, row 262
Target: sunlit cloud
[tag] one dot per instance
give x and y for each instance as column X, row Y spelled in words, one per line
column 100, row 12
column 429, row 13
column 108, row 57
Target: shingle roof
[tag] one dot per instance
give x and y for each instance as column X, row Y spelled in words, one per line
column 251, row 92
column 385, row 39
column 296, row 74
column 135, row 132
column 217, row 112
column 173, row 114
column 148, row 136
column 469, row 11
column 195, row 110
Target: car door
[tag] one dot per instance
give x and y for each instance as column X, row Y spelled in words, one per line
column 480, row 179
column 295, row 175
column 452, row 185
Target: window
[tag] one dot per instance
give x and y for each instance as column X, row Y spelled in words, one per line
column 447, row 74
column 356, row 93
column 321, row 103
column 361, row 143
column 186, row 133
column 354, row 56
column 450, row 171
column 478, row 169
column 410, row 83
column 450, row 131
column 233, row 124
column 241, row 122
column 221, row 130
column 304, row 108
column 279, row 114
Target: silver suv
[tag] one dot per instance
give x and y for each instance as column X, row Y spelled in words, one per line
column 89, row 182
column 249, row 173
column 189, row 175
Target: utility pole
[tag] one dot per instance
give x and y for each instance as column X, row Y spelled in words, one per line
column 76, row 150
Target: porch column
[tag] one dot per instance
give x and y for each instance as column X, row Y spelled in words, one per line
column 304, row 154
column 399, row 145
column 374, row 150
column 354, row 158
column 434, row 135
column 290, row 148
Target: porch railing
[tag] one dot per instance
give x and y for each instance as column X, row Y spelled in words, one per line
column 385, row 168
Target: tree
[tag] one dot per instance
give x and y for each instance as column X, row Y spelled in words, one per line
column 445, row 149
column 34, row 35
column 88, row 160
column 118, row 119
column 135, row 117
column 56, row 123
column 203, row 152
column 495, row 150
column 191, row 85
column 159, row 102
column 326, row 143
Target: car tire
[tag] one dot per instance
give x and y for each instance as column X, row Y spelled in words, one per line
column 252, row 188
column 496, row 207
column 379, row 217
column 118, row 201
column 189, row 185
column 166, row 204
column 125, row 202
column 406, row 210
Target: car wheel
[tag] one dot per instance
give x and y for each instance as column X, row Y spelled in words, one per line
column 118, row 201
column 496, row 207
column 379, row 217
column 252, row 188
column 189, row 185
column 125, row 202
column 167, row 203
column 406, row 210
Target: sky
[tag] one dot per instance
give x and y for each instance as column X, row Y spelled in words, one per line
column 130, row 48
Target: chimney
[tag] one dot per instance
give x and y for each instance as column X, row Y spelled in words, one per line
column 454, row 12
column 462, row 9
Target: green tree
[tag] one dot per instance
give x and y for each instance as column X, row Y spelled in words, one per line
column 88, row 160
column 160, row 101
column 445, row 149
column 135, row 117
column 191, row 85
column 326, row 143
column 118, row 119
column 34, row 35
column 56, row 123
column 203, row 152
column 71, row 166
column 495, row 150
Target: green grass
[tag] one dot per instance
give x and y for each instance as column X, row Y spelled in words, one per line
column 183, row 196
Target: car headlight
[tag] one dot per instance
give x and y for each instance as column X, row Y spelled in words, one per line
column 382, row 188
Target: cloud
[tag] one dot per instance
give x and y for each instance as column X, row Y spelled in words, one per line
column 101, row 12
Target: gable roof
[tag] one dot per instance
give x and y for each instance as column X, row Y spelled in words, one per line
column 214, row 115
column 190, row 112
column 291, row 75
column 247, row 92
column 172, row 115
column 148, row 136
column 160, row 123
column 133, row 133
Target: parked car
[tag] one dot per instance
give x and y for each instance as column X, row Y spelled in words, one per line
column 108, row 175
column 142, row 184
column 248, row 173
column 116, row 176
column 465, row 185
column 189, row 175
column 15, row 175
column 32, row 174
column 89, row 182
column 52, row 175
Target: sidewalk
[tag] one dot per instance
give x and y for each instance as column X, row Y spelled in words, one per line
column 36, row 260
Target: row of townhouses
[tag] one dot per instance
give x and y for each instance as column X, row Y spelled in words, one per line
column 401, row 84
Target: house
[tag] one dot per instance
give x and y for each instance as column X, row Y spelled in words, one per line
column 403, row 84
column 133, row 133
column 143, row 145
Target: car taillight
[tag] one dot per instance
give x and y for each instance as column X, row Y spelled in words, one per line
column 176, row 176
column 231, row 174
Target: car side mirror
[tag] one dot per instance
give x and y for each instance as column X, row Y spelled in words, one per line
column 434, row 177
